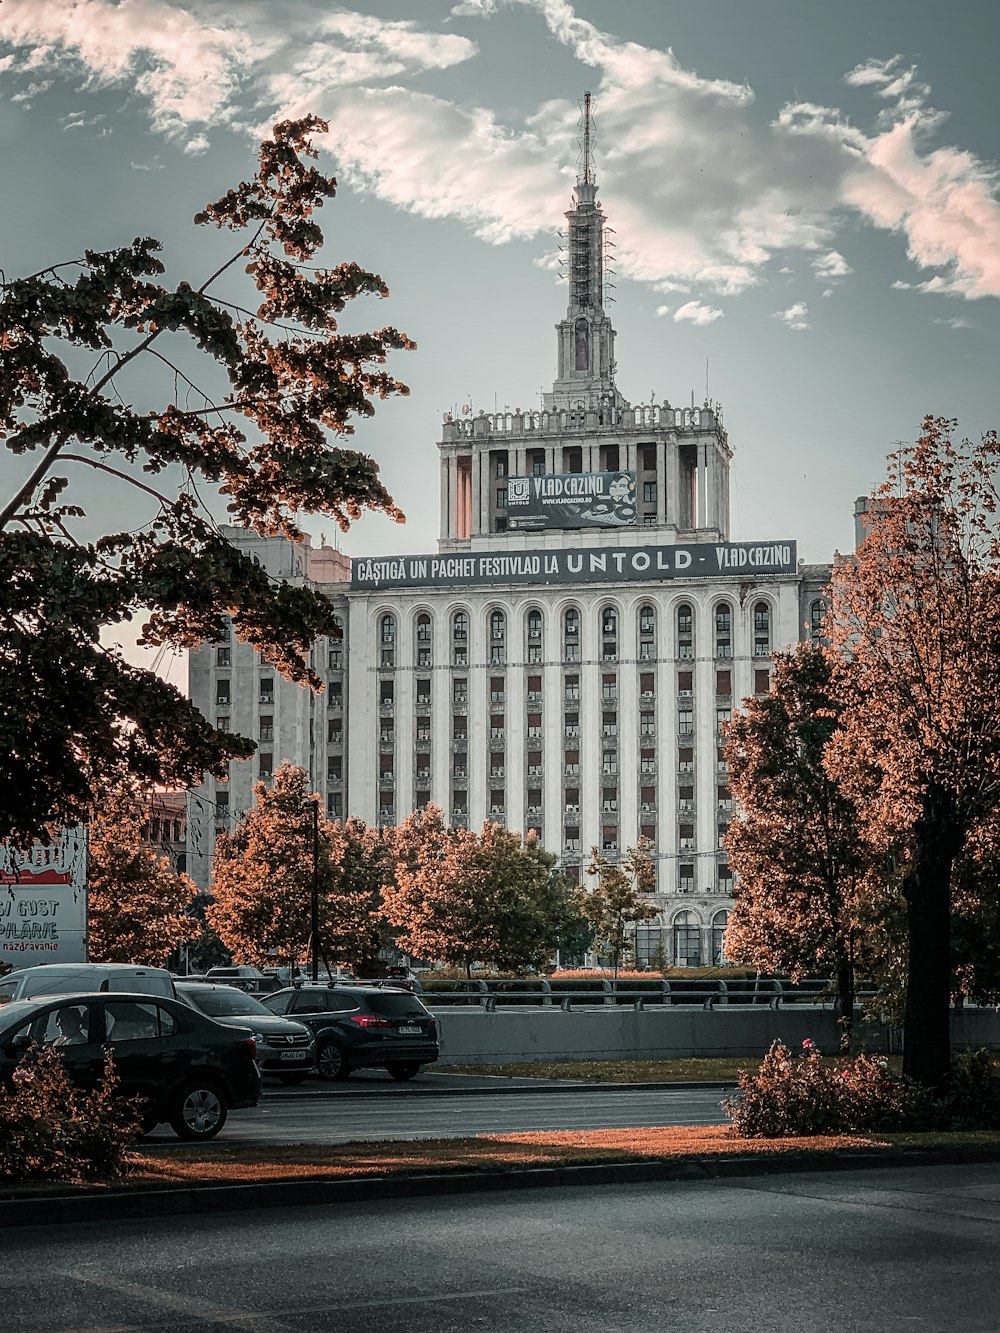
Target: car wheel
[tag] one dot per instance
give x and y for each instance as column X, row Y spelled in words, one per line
column 199, row 1112
column 331, row 1063
column 401, row 1070
column 292, row 1080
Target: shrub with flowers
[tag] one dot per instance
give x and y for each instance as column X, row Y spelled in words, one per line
column 51, row 1130
column 799, row 1095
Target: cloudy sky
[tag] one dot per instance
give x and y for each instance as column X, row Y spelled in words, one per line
column 804, row 198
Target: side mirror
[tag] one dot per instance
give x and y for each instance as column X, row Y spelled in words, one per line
column 17, row 1046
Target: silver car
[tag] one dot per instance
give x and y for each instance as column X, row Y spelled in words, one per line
column 285, row 1048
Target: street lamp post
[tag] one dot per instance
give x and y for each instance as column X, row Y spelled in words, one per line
column 314, row 904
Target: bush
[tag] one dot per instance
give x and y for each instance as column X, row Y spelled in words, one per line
column 51, row 1130
column 791, row 1096
column 970, row 1098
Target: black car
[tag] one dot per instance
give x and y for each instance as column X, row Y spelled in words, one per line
column 361, row 1027
column 189, row 1070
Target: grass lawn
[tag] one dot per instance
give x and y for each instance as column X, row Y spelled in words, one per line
column 627, row 1071
column 221, row 1164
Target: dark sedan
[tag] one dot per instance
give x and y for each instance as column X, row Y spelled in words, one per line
column 358, row 1027
column 188, row 1070
column 284, row 1048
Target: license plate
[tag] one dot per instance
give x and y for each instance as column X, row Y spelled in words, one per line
column 409, row 1031
column 294, row 1055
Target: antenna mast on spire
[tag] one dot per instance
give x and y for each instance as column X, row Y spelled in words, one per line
column 586, row 138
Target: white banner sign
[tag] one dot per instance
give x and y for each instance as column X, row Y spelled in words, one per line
column 43, row 901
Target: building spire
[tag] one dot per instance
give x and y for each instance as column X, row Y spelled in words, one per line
column 586, row 340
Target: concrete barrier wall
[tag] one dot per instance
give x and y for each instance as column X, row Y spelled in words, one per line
column 473, row 1036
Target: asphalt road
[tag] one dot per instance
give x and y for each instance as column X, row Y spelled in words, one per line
column 856, row 1251
column 359, row 1112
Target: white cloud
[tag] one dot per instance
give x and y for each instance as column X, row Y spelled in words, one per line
column 702, row 194
column 795, row 317
column 830, row 266
column 662, row 310
column 697, row 313
column 956, row 323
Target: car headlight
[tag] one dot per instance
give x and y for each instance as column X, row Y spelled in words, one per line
column 261, row 1039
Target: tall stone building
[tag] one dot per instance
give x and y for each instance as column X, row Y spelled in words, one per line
column 565, row 660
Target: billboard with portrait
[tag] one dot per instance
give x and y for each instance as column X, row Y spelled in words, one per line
column 571, row 500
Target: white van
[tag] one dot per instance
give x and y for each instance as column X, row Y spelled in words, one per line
column 67, row 978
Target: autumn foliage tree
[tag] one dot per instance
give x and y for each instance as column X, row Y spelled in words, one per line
column 136, row 903
column 917, row 613
column 262, row 878
column 262, row 429
column 615, row 904
column 796, row 845
column 461, row 897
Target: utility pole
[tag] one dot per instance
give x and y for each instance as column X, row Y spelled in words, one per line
column 314, row 906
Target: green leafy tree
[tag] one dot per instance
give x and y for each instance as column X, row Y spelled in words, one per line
column 262, row 880
column 916, row 610
column 137, row 904
column 461, row 897
column 615, row 904
column 76, row 719
column 803, row 867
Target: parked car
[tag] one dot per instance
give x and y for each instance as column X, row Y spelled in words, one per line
column 404, row 978
column 361, row 1027
column 189, row 1070
column 62, row 978
column 284, row 1048
column 242, row 977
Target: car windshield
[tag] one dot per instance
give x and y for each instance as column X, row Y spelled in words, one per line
column 223, row 1003
column 394, row 1006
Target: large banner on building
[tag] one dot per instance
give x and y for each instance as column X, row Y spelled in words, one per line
column 43, row 901
column 571, row 500
column 628, row 564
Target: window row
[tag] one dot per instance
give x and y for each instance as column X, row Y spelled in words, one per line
column 498, row 637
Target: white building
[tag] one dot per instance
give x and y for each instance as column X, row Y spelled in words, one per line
column 566, row 658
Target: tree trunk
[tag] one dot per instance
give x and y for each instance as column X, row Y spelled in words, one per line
column 844, row 1006
column 927, row 890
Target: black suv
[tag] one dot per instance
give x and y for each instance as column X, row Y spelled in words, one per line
column 188, row 1069
column 361, row 1027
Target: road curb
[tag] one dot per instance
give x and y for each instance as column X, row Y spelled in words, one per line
column 200, row 1199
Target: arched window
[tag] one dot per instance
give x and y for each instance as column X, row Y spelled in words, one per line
column 685, row 631
column 460, row 639
column 609, row 634
column 817, row 611
column 581, row 340
column 723, row 629
column 423, row 658
column 498, row 638
column 571, row 635
column 719, row 922
column 687, row 940
column 762, row 630
column 387, row 647
column 647, row 634
column 533, row 631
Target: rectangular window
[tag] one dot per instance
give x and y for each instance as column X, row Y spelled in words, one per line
column 647, row 683
column 609, row 839
column 222, row 693
column 224, row 657
column 423, row 767
column 222, row 723
column 264, row 764
column 723, row 682
column 722, row 716
column 647, row 457
column 335, row 693
column 609, row 724
column 609, row 762
column 267, row 689
column 685, row 759
column 685, row 878
column 266, row 729
column 387, row 659
column 460, row 657
column 423, row 693
column 761, row 682
column 501, row 469
column 336, row 659
column 685, row 722
column 572, row 687
column 685, row 682
column 501, row 497
column 386, row 691
column 649, row 492
column 335, row 767
column 459, row 802
column 423, row 728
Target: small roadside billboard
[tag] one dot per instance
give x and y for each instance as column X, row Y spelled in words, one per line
column 43, row 901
